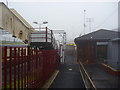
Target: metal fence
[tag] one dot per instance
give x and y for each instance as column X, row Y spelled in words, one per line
column 46, row 35
column 26, row 67
column 86, row 78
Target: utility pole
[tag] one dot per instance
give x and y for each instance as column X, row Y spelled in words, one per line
column 90, row 20
column 84, row 20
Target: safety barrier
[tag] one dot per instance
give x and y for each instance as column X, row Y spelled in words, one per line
column 27, row 67
column 46, row 35
column 86, row 78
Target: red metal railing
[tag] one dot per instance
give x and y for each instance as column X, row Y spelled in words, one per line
column 26, row 67
column 47, row 37
column 53, row 40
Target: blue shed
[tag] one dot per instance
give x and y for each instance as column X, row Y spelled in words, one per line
column 113, row 59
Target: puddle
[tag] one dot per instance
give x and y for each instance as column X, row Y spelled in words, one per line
column 70, row 69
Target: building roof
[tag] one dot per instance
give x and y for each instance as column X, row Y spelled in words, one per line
column 101, row 34
column 116, row 39
column 19, row 17
column 22, row 19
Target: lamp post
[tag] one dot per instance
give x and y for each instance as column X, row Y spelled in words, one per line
column 45, row 22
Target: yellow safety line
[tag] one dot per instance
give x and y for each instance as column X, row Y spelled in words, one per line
column 110, row 67
column 88, row 76
column 50, row 80
column 83, row 78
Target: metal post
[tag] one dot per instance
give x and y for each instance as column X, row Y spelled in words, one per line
column 65, row 39
column 5, row 67
column 22, row 57
column 46, row 34
column 10, row 71
column 84, row 21
column 19, row 68
column 25, row 60
column 28, row 64
column 89, row 20
column 15, row 67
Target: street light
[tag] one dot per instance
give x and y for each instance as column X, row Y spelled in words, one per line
column 35, row 22
column 40, row 24
column 45, row 22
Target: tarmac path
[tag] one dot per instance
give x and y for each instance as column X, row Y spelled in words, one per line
column 69, row 75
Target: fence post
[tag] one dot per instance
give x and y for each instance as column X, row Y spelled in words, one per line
column 22, row 56
column 15, row 67
column 28, row 65
column 19, row 67
column 5, row 67
column 0, row 68
column 10, row 71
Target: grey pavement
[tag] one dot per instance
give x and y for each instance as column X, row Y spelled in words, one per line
column 102, row 78
column 69, row 75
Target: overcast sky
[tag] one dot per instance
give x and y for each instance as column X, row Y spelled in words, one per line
column 69, row 14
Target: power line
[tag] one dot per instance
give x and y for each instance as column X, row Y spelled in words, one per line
column 106, row 18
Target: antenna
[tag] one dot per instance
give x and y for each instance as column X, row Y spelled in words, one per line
column 90, row 20
column 84, row 21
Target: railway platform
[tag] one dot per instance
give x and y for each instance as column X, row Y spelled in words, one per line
column 102, row 78
column 69, row 75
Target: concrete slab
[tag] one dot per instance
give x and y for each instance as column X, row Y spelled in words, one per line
column 101, row 78
column 68, row 78
column 50, row 80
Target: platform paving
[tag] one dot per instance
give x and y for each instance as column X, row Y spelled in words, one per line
column 69, row 75
column 102, row 78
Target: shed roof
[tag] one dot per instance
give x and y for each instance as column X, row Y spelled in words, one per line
column 101, row 34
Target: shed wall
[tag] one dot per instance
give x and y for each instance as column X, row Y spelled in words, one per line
column 113, row 54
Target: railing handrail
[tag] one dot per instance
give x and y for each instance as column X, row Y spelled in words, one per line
column 24, row 67
column 91, row 82
column 47, row 32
